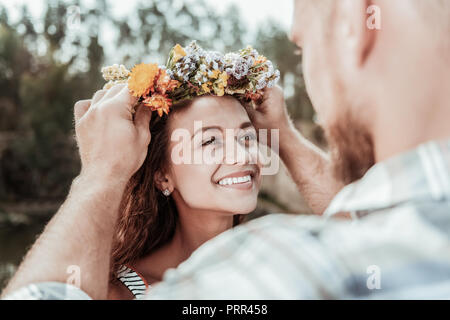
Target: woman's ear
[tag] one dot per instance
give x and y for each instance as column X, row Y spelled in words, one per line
column 163, row 181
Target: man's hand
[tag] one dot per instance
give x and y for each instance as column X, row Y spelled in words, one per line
column 309, row 167
column 271, row 113
column 112, row 146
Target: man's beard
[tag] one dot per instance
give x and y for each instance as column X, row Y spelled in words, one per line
column 351, row 146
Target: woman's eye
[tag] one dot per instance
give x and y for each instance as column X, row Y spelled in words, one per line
column 249, row 137
column 211, row 140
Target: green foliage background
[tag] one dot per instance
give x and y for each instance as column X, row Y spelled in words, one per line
column 44, row 71
column 50, row 62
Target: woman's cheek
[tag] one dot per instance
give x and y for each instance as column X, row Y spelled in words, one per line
column 194, row 183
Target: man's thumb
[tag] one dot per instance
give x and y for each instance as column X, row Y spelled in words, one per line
column 142, row 119
column 250, row 110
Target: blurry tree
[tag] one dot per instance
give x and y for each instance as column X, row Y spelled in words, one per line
column 45, row 67
column 41, row 161
column 158, row 25
column 15, row 60
column 275, row 44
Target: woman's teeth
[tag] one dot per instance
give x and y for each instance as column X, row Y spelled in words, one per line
column 229, row 181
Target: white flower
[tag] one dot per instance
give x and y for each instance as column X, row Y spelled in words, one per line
column 262, row 83
column 170, row 73
column 271, row 83
column 277, row 74
column 115, row 72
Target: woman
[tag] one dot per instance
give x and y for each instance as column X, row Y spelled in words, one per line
column 159, row 229
column 171, row 207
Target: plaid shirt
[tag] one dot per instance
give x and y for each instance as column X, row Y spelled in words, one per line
column 397, row 246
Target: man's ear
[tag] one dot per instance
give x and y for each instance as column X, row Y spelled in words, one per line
column 163, row 181
column 356, row 28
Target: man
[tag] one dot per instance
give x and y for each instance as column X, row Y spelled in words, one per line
column 381, row 95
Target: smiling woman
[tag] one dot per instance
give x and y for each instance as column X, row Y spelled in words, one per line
column 170, row 208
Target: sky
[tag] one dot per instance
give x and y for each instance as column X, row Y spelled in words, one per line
column 254, row 11
column 257, row 11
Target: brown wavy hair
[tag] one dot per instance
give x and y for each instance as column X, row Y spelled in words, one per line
column 147, row 218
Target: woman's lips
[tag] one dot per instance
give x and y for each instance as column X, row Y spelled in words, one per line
column 239, row 180
column 242, row 186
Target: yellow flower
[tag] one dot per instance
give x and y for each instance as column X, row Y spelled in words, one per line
column 221, row 83
column 215, row 74
column 220, row 91
column 224, row 78
column 206, row 88
column 142, row 78
column 178, row 53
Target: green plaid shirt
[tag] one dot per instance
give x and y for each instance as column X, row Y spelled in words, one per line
column 396, row 247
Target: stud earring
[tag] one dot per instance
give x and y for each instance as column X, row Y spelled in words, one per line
column 166, row 192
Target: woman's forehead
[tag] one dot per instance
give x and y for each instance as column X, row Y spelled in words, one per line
column 226, row 112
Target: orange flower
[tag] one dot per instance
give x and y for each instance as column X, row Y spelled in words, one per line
column 165, row 84
column 158, row 102
column 142, row 78
column 255, row 96
column 260, row 59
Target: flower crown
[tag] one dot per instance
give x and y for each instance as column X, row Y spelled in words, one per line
column 192, row 72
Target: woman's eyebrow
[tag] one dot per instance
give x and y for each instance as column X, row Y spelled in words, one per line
column 206, row 128
column 246, row 124
column 243, row 125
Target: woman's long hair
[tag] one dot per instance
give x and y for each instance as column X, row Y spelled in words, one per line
column 147, row 218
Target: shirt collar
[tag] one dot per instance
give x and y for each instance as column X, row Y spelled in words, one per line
column 420, row 174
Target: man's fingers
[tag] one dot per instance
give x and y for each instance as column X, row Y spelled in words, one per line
column 250, row 110
column 80, row 108
column 124, row 98
column 113, row 91
column 142, row 121
column 98, row 96
column 118, row 100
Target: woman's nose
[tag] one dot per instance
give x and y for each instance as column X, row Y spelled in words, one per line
column 236, row 153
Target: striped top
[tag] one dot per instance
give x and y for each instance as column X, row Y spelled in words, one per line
column 134, row 281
